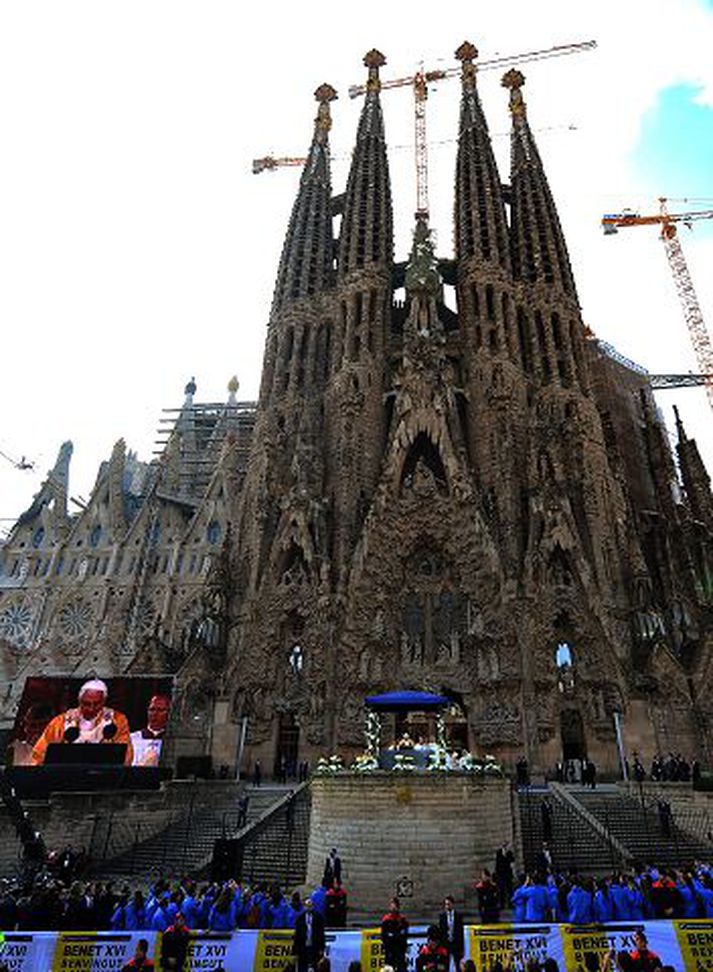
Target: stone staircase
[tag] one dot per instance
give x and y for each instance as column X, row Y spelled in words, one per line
column 635, row 824
column 577, row 844
column 185, row 844
column 274, row 847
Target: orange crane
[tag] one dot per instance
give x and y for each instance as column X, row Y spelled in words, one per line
column 700, row 339
column 420, row 81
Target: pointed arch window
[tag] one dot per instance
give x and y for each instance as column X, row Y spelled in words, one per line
column 564, row 660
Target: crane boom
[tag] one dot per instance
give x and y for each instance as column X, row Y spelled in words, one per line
column 693, row 315
column 700, row 339
column 490, row 64
column 664, row 382
column 420, row 81
column 269, row 163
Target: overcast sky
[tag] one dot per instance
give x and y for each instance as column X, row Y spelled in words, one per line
column 137, row 249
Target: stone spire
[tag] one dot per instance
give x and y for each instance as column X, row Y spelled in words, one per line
column 480, row 222
column 539, row 251
column 696, row 480
column 366, row 235
column 306, row 261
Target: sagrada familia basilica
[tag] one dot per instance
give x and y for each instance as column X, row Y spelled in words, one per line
column 480, row 502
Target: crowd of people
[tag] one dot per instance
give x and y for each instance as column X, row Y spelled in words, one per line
column 639, row 894
column 48, row 905
column 673, row 768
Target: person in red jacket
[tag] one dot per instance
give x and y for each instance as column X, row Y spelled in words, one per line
column 394, row 937
column 336, row 902
column 141, row 958
column 644, row 960
column 432, row 956
column 174, row 945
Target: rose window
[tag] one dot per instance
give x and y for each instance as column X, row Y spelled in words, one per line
column 16, row 624
column 75, row 619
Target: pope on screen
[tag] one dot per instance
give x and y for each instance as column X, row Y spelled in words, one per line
column 91, row 722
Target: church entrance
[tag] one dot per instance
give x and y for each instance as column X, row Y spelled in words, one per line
column 574, row 743
column 288, row 746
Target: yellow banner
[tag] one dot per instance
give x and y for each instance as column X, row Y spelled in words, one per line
column 372, row 952
column 695, row 939
column 585, row 945
column 273, row 951
column 512, row 946
column 95, row 952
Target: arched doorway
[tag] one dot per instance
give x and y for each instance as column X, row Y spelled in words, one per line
column 288, row 745
column 574, row 743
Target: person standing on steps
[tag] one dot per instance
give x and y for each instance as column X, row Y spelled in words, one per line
column 308, row 941
column 257, row 773
column 394, row 937
column 546, row 815
column 450, row 926
column 332, row 869
column 504, row 861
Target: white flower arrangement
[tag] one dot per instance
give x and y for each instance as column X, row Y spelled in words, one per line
column 365, row 763
column 404, row 763
column 491, row 767
column 327, row 765
column 437, row 760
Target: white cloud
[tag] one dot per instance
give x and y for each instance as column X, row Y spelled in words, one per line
column 136, row 248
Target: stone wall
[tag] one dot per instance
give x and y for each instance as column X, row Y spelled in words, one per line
column 436, row 831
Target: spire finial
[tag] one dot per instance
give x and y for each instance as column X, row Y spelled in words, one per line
column 466, row 54
column 233, row 386
column 374, row 60
column 323, row 122
column 514, row 80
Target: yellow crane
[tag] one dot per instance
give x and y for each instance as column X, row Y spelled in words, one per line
column 700, row 339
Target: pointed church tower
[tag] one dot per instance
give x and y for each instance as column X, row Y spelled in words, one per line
column 481, row 232
column 356, row 413
column 305, row 272
column 550, row 330
column 696, row 480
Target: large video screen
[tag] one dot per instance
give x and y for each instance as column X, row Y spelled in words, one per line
column 119, row 721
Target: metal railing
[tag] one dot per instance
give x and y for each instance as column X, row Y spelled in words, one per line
column 277, row 841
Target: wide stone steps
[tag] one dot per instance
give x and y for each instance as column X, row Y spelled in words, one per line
column 575, row 844
column 186, row 843
column 637, row 826
column 278, row 850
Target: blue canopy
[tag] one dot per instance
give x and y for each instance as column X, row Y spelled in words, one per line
column 407, row 701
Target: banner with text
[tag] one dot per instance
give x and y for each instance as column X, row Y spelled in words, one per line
column 586, row 945
column 96, row 951
column 513, row 946
column 695, row 939
column 575, row 948
column 372, row 953
column 27, row 951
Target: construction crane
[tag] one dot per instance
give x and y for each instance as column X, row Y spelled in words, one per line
column 420, row 81
column 665, row 382
column 22, row 464
column 700, row 339
column 269, row 163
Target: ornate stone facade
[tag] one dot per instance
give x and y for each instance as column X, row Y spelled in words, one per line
column 481, row 502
